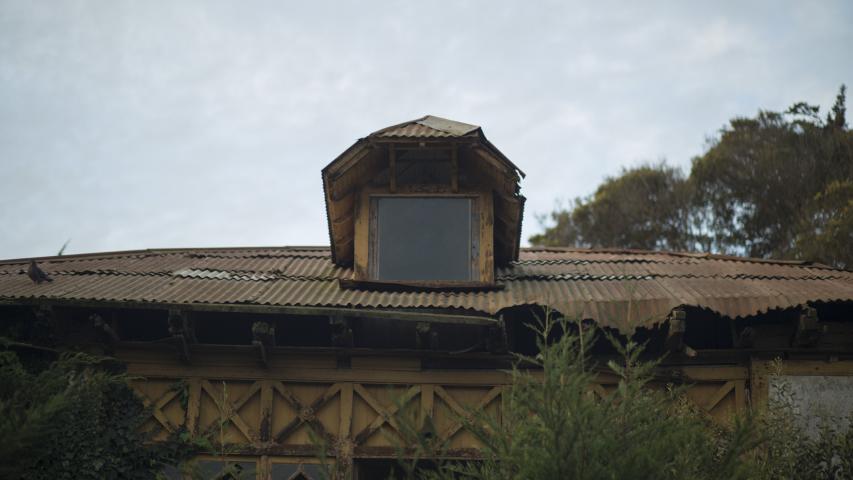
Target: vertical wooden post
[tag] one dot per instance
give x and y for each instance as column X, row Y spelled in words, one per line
column 345, row 444
column 345, row 427
column 392, row 168
column 427, row 402
column 264, row 468
column 265, row 423
column 740, row 395
column 193, row 406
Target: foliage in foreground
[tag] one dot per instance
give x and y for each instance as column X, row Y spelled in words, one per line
column 553, row 426
column 74, row 418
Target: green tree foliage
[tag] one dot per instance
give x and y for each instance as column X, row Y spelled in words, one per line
column 75, row 419
column 645, row 207
column 777, row 185
column 553, row 426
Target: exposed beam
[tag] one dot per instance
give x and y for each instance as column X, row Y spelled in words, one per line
column 401, row 315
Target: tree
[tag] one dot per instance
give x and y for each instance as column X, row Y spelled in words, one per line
column 74, row 418
column 755, row 188
column 775, row 185
column 552, row 425
column 645, row 208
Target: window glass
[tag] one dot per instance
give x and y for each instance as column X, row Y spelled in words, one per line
column 422, row 238
column 219, row 470
column 294, row 471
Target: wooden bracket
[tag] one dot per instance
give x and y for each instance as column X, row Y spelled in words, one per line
column 44, row 324
column 496, row 340
column 183, row 347
column 263, row 337
column 425, row 337
column 263, row 332
column 342, row 335
column 105, row 332
column 263, row 356
column 743, row 339
column 180, row 324
column 808, row 331
column 677, row 320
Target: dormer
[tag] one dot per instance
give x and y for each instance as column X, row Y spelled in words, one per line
column 428, row 203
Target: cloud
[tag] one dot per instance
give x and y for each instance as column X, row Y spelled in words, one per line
column 203, row 123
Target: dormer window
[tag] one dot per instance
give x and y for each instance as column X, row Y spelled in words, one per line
column 424, row 238
column 426, row 204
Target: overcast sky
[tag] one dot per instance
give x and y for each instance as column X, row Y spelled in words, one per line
column 127, row 125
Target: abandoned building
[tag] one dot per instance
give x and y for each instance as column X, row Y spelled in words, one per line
column 420, row 299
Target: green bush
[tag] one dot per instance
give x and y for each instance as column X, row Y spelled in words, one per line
column 552, row 426
column 74, row 418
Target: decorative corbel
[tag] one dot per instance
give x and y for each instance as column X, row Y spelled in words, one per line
column 677, row 320
column 743, row 339
column 808, row 331
column 105, row 332
column 342, row 335
column 42, row 327
column 183, row 334
column 425, row 337
column 263, row 337
column 496, row 340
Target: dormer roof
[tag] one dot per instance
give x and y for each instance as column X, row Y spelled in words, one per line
column 367, row 157
column 428, row 126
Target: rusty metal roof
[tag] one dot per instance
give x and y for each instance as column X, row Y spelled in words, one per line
column 620, row 289
column 428, row 126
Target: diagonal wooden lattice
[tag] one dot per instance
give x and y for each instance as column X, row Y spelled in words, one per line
column 723, row 392
column 157, row 407
column 230, row 411
column 463, row 414
column 383, row 414
column 306, row 414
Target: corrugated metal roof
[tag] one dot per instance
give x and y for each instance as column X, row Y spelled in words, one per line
column 621, row 289
column 428, row 126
